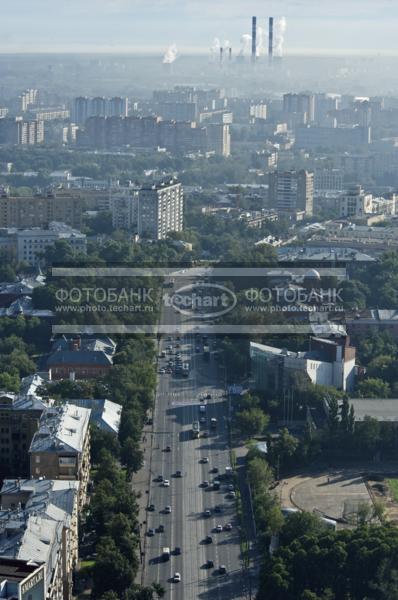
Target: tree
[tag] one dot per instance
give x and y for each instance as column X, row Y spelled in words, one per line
column 112, row 571
column 252, row 421
column 374, row 388
column 132, row 456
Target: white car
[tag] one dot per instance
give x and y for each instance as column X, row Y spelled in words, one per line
column 167, row 509
column 166, row 483
column 177, row 577
column 219, row 528
column 227, row 526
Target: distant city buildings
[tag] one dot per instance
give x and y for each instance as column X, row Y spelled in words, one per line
column 81, row 357
column 332, row 138
column 32, row 243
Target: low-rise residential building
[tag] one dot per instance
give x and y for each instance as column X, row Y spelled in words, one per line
column 60, row 448
column 19, row 420
column 328, row 362
column 81, row 357
column 54, row 500
column 104, row 413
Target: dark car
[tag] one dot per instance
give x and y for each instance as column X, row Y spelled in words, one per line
column 208, row 539
column 167, row 449
column 161, row 529
column 218, row 508
column 208, row 397
column 178, row 473
column 222, row 569
column 209, row 564
column 214, row 470
column 151, row 507
column 177, row 551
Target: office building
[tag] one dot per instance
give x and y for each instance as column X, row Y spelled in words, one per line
column 60, row 449
column 160, row 209
column 328, row 180
column 24, row 579
column 355, row 203
column 291, row 191
column 32, row 243
column 327, row 362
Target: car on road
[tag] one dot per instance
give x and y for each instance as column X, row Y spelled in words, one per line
column 231, row 495
column 205, row 484
column 216, row 484
column 207, row 513
column 176, row 577
column 166, row 483
column 205, row 434
column 214, row 470
column 230, row 487
column 167, row 509
column 208, row 539
column 162, row 371
column 178, row 473
column 161, row 529
column 222, row 569
column 209, row 564
column 202, row 420
column 208, row 397
column 177, row 551
column 151, row 532
column 218, row 528
column 204, row 459
column 167, row 449
column 227, row 526
column 197, row 349
column 218, row 508
column 151, row 507
column 159, row 478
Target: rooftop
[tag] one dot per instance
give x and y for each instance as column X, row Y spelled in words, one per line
column 61, row 429
column 382, row 409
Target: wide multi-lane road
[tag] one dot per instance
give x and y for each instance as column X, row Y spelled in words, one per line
column 186, row 527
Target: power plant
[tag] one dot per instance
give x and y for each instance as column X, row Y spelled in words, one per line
column 270, row 39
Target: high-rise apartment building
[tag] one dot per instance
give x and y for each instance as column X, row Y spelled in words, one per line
column 17, row 131
column 84, row 108
column 292, row 191
column 28, row 98
column 118, row 107
column 160, row 209
column 218, row 139
column 124, row 207
column 300, row 103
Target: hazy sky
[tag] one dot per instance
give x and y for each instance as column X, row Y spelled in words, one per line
column 150, row 25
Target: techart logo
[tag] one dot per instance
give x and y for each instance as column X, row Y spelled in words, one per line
column 202, row 301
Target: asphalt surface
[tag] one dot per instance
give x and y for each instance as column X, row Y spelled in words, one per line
column 177, row 406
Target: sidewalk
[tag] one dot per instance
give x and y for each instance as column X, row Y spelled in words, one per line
column 141, row 485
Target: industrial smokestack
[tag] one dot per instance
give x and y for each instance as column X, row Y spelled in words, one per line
column 254, row 39
column 230, row 53
column 270, row 39
column 221, row 55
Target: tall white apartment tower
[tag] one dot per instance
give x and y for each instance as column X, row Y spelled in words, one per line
column 160, row 209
